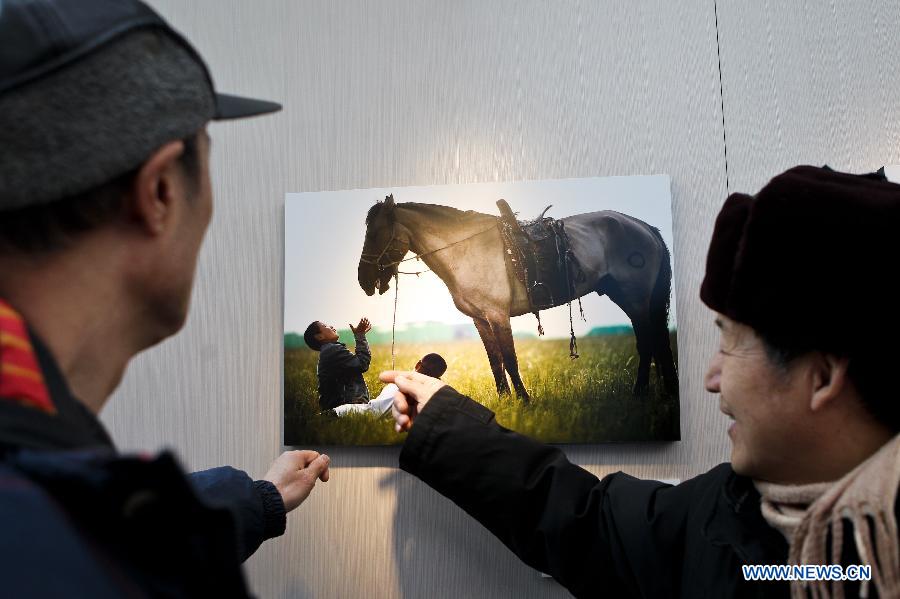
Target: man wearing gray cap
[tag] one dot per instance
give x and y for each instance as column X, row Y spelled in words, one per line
column 105, row 198
column 800, row 278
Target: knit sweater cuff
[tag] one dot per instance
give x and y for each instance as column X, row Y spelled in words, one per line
column 274, row 514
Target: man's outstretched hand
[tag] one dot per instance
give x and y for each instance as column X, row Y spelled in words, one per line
column 294, row 474
column 363, row 327
column 415, row 391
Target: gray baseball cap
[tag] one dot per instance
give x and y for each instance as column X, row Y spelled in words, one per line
column 89, row 89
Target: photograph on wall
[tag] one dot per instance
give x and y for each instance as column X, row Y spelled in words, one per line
column 550, row 302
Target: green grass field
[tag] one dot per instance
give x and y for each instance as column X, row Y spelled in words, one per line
column 572, row 401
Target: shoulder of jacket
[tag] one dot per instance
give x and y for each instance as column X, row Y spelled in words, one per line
column 26, row 500
column 705, row 489
column 13, row 480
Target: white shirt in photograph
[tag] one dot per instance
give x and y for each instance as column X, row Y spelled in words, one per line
column 379, row 406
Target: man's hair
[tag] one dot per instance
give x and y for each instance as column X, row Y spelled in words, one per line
column 870, row 371
column 310, row 335
column 52, row 226
column 433, row 365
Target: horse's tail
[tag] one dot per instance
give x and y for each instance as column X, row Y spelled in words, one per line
column 660, row 297
column 659, row 319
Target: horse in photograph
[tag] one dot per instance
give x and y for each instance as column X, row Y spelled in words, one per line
column 620, row 256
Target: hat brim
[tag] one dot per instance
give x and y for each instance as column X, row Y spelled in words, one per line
column 237, row 107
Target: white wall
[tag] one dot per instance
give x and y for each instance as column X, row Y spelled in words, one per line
column 396, row 92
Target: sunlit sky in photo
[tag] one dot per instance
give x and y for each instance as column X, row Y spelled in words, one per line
column 324, row 234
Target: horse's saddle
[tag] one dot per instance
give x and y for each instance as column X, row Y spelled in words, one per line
column 538, row 253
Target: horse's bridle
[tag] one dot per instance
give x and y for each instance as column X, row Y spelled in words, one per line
column 364, row 258
column 387, row 248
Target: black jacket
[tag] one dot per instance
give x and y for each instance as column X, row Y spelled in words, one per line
column 340, row 373
column 79, row 520
column 615, row 537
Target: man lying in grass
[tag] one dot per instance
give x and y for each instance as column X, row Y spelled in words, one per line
column 432, row 365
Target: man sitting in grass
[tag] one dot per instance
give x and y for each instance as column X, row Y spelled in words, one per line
column 432, row 365
column 339, row 370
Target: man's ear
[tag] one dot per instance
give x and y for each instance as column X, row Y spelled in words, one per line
column 158, row 181
column 829, row 378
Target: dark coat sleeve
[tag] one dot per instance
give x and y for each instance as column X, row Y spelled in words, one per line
column 337, row 359
column 256, row 505
column 621, row 535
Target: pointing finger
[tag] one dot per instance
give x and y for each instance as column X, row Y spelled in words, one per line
column 388, row 376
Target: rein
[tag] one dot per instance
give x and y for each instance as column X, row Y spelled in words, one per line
column 394, row 325
column 419, row 256
column 387, row 247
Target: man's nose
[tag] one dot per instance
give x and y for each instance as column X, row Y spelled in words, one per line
column 714, row 374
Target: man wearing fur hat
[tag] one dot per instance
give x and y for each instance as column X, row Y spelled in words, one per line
column 105, row 197
column 800, row 279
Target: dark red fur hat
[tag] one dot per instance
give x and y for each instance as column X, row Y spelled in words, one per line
column 810, row 261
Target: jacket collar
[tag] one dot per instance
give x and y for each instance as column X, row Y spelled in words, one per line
column 736, row 521
column 67, row 425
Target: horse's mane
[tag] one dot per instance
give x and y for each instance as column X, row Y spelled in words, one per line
column 447, row 212
column 432, row 211
column 372, row 214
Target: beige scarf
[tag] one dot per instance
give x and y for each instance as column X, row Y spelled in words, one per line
column 805, row 514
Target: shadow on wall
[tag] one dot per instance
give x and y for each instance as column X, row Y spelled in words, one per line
column 294, row 590
column 629, row 457
column 439, row 551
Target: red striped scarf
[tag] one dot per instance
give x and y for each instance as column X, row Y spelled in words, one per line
column 21, row 380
